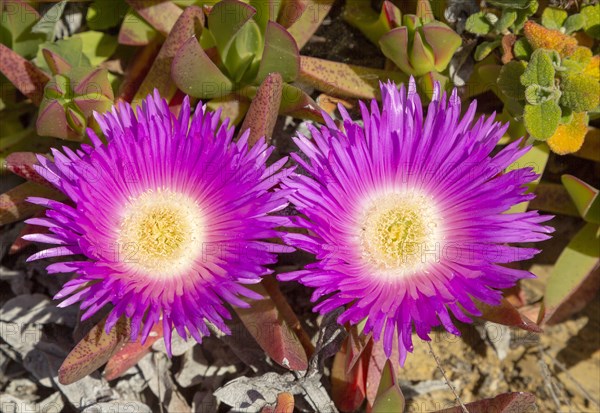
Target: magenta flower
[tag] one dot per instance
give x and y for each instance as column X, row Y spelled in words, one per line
column 407, row 218
column 167, row 219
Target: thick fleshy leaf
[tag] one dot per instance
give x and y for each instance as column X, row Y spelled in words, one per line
column 279, row 55
column 225, row 20
column 574, row 265
column 347, row 386
column 295, row 102
column 21, row 163
column 584, row 196
column 47, row 24
column 443, row 41
column 93, row 351
column 233, row 106
column 135, row 31
column 290, row 11
column 159, row 75
column 196, row 75
column 128, row 355
column 138, row 69
column 266, row 323
column 394, row 45
column 307, row 24
column 161, row 14
column 504, row 403
column 376, row 361
column 361, row 15
column 591, row 145
column 13, row 204
column 56, row 63
column 506, row 314
column 389, row 396
column 340, row 79
column 263, row 111
column 23, row 74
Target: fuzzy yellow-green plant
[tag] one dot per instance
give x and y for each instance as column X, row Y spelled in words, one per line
column 569, row 137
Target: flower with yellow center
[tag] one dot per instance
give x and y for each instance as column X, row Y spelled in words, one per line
column 406, row 215
column 170, row 217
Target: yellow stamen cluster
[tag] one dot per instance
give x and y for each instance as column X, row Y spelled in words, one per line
column 160, row 233
column 398, row 230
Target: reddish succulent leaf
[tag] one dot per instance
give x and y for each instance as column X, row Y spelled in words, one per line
column 21, row 243
column 21, row 163
column 330, row 104
column 357, row 344
column 14, row 207
column 508, row 315
column 262, row 114
column 161, row 14
column 341, row 79
column 195, row 74
column 268, row 326
column 347, row 387
column 307, row 24
column 504, row 403
column 128, row 355
column 23, row 74
column 93, row 351
column 159, row 75
column 376, row 365
column 55, row 62
column 291, row 11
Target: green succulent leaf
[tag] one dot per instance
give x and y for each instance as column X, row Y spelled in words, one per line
column 71, row 50
column 266, row 10
column 443, row 42
column 244, row 50
column 573, row 266
column 522, row 49
column 280, row 54
column 542, row 120
column 553, row 18
column 591, row 15
column 361, row 15
column 477, row 23
column 536, row 94
column 389, row 396
column 540, row 70
column 97, row 46
column 47, row 23
column 580, row 92
column 574, row 23
column 485, row 48
column 509, row 79
column 135, row 31
column 585, row 197
column 506, row 20
column 225, row 20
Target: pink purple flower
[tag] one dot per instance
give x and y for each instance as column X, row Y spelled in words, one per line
column 166, row 220
column 408, row 215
